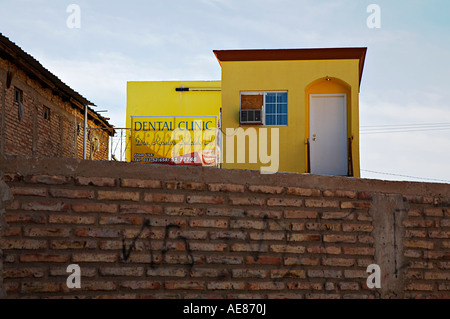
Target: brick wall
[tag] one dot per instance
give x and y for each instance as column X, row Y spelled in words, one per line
column 143, row 231
column 36, row 136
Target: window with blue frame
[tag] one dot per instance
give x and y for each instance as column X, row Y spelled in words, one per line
column 276, row 108
column 269, row 108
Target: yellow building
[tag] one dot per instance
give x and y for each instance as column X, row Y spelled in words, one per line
column 155, row 109
column 301, row 103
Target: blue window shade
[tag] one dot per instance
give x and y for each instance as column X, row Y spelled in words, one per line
column 276, row 108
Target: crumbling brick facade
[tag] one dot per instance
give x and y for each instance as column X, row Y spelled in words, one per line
column 51, row 123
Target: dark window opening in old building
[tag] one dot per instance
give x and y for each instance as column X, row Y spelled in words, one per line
column 46, row 113
column 18, row 95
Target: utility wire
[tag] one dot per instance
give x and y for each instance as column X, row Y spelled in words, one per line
column 408, row 176
column 403, row 128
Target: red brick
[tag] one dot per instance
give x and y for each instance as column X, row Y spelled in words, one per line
column 302, row 285
column 94, row 208
column 418, row 244
column 444, row 276
column 266, row 189
column 321, row 203
column 40, row 287
column 227, row 235
column 163, row 198
column 412, row 253
column 356, row 205
column 28, row 191
column 357, row 227
column 331, row 250
column 194, row 246
column 439, row 234
column 338, row 215
column 349, row 286
column 96, row 181
column 11, row 231
column 197, row 199
column 98, row 285
column 339, row 238
column 168, row 272
column 73, row 244
column 304, row 237
column 23, row 273
column 184, row 211
column 120, row 220
column 62, row 272
column 359, row 251
column 140, row 209
column 11, row 287
column 226, row 285
column 46, row 232
column 188, row 234
column 415, row 233
column 23, row 244
column 215, row 223
column 118, row 195
column 434, row 212
column 94, row 258
column 97, row 232
column 135, row 285
column 47, row 206
column 303, row 191
column 50, row 258
column 233, row 188
column 71, row 219
column 182, row 285
column 287, row 273
column 268, row 214
column 256, row 247
column 292, row 249
column 362, row 274
column 244, row 223
column 140, row 183
column 267, row 236
column 410, row 223
column 72, row 193
column 326, row 273
column 340, row 193
column 193, row 186
column 419, row 287
column 247, row 201
column 285, row 202
column 47, row 179
column 24, row 218
column 301, row 261
column 249, row 273
column 338, row 262
column 263, row 260
column 269, row 285
column 300, row 214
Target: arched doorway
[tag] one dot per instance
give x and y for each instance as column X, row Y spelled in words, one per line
column 328, row 117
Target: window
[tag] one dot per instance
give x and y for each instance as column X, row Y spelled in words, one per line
column 46, row 113
column 18, row 95
column 276, row 108
column 264, row 108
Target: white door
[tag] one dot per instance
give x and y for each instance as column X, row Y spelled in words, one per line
column 328, row 134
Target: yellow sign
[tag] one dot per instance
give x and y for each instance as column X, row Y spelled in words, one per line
column 174, row 140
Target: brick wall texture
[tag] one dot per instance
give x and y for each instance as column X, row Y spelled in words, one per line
column 143, row 231
column 59, row 135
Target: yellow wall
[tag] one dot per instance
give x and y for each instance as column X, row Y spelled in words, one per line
column 299, row 78
column 159, row 98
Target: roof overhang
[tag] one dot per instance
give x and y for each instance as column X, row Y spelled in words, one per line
column 353, row 53
column 12, row 52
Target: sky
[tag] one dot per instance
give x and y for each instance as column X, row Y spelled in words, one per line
column 404, row 94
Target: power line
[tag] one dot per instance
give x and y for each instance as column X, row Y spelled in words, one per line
column 408, row 176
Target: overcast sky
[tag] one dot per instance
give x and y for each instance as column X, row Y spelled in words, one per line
column 405, row 79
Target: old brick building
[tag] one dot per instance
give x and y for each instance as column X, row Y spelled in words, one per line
column 43, row 117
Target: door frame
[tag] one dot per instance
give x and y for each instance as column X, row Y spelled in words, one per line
column 308, row 119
